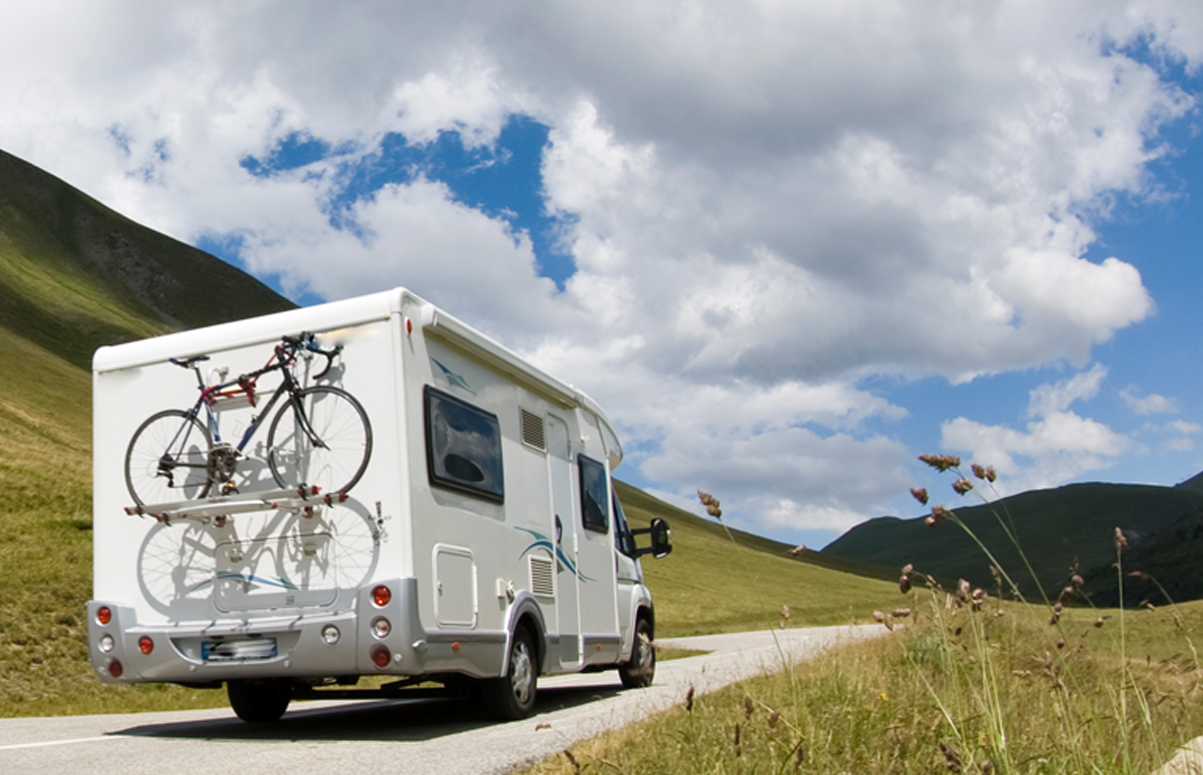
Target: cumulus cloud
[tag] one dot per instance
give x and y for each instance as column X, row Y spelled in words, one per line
column 1147, row 404
column 1049, row 399
column 767, row 204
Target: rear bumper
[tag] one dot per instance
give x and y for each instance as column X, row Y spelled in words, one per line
column 298, row 645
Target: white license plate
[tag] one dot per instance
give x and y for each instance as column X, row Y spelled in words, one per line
column 236, row 650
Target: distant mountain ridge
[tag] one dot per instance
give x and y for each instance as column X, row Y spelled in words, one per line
column 1057, row 529
column 75, row 275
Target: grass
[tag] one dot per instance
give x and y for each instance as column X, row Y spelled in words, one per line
column 912, row 703
column 970, row 683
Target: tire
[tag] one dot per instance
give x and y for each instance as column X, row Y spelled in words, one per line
column 512, row 696
column 640, row 669
column 167, row 444
column 340, row 424
column 259, row 700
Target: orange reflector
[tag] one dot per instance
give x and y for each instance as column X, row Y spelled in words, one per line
column 455, row 646
column 104, row 615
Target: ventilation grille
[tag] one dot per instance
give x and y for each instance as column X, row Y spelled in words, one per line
column 533, row 434
column 542, row 577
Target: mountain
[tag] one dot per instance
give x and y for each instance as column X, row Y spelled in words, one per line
column 1058, row 529
column 74, row 274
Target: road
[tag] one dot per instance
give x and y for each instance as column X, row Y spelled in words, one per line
column 417, row 736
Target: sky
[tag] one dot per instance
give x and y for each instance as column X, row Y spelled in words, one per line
column 789, row 246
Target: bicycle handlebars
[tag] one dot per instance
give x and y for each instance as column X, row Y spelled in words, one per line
column 284, row 351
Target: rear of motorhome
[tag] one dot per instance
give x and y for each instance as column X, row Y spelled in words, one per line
column 290, row 504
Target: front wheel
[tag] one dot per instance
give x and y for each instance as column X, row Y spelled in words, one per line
column 168, row 459
column 639, row 671
column 320, row 437
column 512, row 696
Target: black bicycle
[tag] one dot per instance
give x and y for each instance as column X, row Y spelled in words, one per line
column 320, row 436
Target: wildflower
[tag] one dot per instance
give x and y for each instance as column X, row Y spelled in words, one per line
column 784, row 612
column 797, row 550
column 901, row 613
column 979, row 470
column 938, row 513
column 904, row 584
column 711, row 503
column 774, row 717
column 920, row 494
column 962, row 592
column 1066, row 594
column 979, row 598
column 1098, row 622
column 962, row 486
column 908, row 569
column 1121, row 541
column 749, row 707
column 800, row 754
column 1077, row 580
column 941, row 462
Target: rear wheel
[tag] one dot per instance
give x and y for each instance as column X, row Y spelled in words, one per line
column 168, row 459
column 332, row 452
column 640, row 669
column 259, row 700
column 512, row 696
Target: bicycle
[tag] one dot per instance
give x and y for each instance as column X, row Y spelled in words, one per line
column 320, row 436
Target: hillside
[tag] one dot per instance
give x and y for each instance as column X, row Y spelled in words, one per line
column 1057, row 529
column 75, row 275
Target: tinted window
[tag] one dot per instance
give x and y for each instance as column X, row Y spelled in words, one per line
column 622, row 532
column 463, row 446
column 595, row 501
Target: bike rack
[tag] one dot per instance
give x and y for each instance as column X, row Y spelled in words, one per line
column 306, row 498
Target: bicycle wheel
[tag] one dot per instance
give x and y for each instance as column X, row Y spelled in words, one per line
column 167, row 459
column 320, row 437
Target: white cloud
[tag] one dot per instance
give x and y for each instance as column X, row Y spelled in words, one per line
column 1053, row 450
column 768, row 202
column 1146, row 405
column 1048, row 399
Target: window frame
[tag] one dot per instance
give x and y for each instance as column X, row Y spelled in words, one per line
column 430, row 396
column 584, row 462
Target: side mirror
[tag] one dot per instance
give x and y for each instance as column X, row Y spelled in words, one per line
column 661, row 546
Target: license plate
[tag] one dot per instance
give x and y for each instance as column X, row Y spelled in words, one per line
column 237, row 650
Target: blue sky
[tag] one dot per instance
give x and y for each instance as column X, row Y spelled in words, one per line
column 969, row 228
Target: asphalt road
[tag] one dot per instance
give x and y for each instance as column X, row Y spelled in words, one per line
column 413, row 736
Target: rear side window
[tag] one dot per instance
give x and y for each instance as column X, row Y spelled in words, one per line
column 463, row 446
column 595, row 508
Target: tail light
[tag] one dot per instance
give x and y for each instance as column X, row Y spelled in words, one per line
column 381, row 595
column 381, row 657
column 116, row 669
column 146, row 644
column 104, row 615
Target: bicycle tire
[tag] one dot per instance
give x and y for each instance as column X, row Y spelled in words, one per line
column 342, row 426
column 151, row 445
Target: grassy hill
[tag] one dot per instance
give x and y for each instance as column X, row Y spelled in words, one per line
column 1057, row 529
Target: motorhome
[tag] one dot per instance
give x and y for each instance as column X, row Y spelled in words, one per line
column 292, row 504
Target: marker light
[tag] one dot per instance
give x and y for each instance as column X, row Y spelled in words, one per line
column 115, row 668
column 146, row 644
column 381, row 628
column 330, row 634
column 104, row 615
column 381, row 595
column 380, row 656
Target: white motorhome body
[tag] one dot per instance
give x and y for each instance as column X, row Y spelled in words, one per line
column 484, row 526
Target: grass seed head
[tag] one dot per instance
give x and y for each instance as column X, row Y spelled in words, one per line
column 938, row 514
column 1121, row 541
column 962, row 486
column 689, row 700
column 920, row 494
column 711, row 503
column 941, row 462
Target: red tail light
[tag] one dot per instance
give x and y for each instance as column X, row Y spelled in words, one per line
column 146, row 644
column 381, row 595
column 381, row 657
column 104, row 615
column 115, row 668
